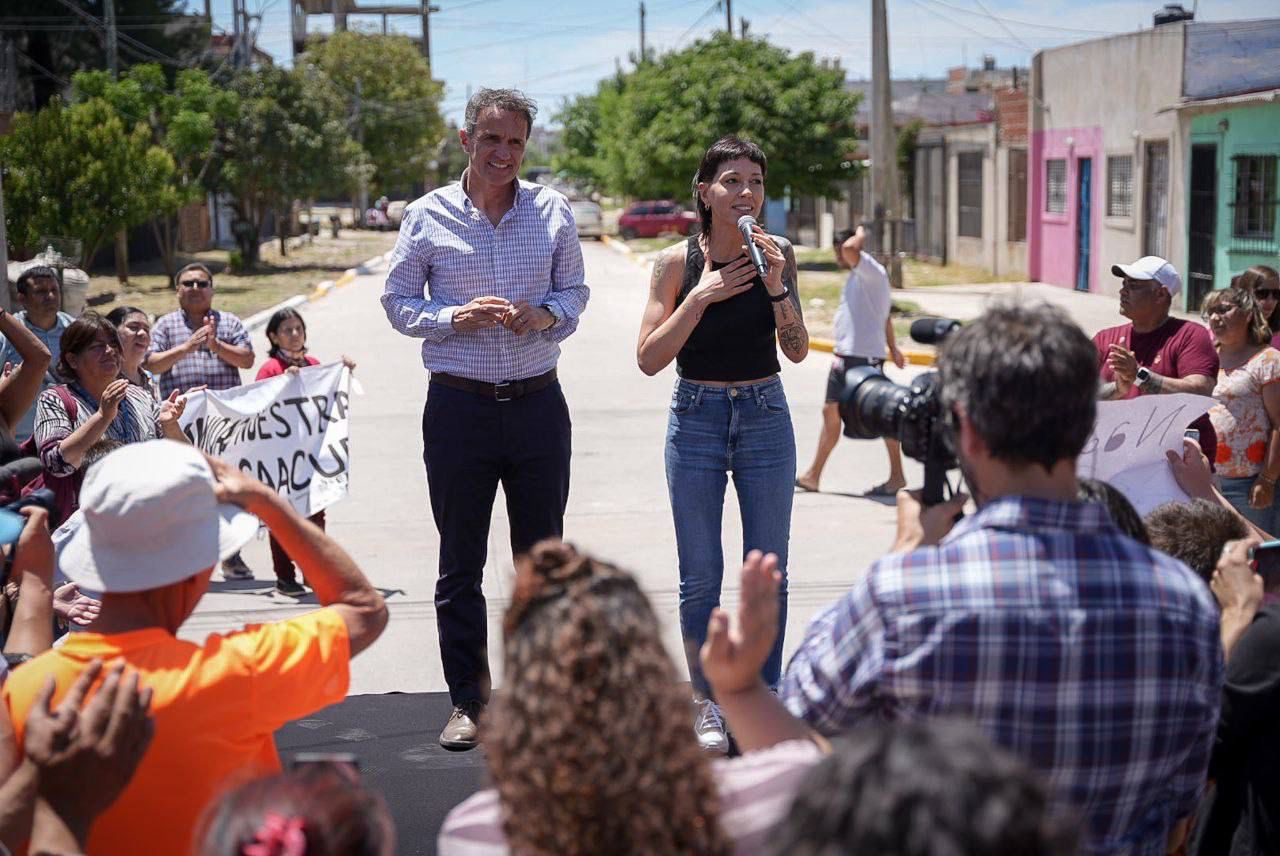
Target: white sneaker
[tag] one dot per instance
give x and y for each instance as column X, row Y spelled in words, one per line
column 708, row 725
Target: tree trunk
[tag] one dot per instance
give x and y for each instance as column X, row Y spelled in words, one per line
column 122, row 257
column 282, row 230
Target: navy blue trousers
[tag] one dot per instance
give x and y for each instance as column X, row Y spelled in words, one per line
column 471, row 443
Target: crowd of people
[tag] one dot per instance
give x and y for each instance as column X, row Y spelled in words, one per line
column 1050, row 673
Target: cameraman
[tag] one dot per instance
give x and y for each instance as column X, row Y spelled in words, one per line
column 1092, row 657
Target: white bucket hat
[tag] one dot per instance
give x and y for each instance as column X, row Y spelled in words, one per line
column 149, row 519
column 1151, row 268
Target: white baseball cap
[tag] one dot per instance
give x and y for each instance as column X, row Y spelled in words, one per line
column 1151, row 267
column 149, row 519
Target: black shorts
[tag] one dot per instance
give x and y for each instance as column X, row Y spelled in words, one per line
column 835, row 378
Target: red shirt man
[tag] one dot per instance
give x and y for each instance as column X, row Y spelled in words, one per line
column 1155, row 353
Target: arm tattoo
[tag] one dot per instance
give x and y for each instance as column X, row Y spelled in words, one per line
column 792, row 338
column 1154, row 384
column 791, row 279
column 659, row 269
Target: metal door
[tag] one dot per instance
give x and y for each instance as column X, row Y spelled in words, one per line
column 1084, row 197
column 1155, row 205
column 1202, row 222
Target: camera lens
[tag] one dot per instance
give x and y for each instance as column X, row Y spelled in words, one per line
column 871, row 405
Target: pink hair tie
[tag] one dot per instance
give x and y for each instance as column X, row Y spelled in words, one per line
column 278, row 836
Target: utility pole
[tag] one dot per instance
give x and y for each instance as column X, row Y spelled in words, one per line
column 641, row 33
column 884, row 160
column 743, row 26
column 362, row 197
column 427, row 9
column 235, row 33
column 109, row 9
column 728, row 17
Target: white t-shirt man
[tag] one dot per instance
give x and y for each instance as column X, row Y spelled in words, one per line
column 864, row 309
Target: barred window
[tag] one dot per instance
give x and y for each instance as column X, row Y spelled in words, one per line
column 1255, row 198
column 1120, row 186
column 1017, row 194
column 969, row 193
column 1055, row 198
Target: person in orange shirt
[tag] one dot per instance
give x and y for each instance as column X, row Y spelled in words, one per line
column 157, row 517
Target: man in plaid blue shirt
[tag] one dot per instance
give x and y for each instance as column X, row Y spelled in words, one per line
column 488, row 273
column 1094, row 658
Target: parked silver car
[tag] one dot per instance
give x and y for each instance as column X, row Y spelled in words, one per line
column 589, row 217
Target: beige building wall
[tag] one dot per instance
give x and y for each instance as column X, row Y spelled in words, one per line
column 993, row 251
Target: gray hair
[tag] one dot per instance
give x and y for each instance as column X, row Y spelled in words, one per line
column 512, row 100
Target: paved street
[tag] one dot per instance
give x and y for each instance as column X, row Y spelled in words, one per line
column 618, row 504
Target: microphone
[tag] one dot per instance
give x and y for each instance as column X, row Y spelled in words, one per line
column 931, row 331
column 745, row 222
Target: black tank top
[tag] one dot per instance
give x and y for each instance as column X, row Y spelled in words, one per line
column 735, row 339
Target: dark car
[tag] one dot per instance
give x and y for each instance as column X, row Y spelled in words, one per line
column 651, row 219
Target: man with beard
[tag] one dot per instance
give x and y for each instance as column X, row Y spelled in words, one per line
column 1093, row 658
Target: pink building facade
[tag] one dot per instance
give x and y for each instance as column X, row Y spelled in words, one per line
column 1063, row 236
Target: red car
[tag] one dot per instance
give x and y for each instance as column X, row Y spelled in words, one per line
column 651, row 219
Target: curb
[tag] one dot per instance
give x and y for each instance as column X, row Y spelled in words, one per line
column 322, row 289
column 915, row 358
column 620, row 247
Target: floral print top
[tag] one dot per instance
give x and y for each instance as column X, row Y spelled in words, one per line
column 1239, row 417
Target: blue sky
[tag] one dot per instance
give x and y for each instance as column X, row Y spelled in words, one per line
column 555, row 49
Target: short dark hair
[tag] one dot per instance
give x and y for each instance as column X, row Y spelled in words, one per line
column 932, row 788
column 97, row 452
column 200, row 266
column 1194, row 532
column 1027, row 378
column 35, row 272
column 81, row 334
column 511, row 100
column 116, row 316
column 337, row 815
column 1119, row 508
column 843, row 235
column 723, row 150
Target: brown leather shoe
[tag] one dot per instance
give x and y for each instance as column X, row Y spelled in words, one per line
column 461, row 732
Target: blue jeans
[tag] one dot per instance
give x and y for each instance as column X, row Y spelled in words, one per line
column 713, row 431
column 1237, row 492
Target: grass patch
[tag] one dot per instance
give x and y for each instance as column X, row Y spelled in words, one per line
column 277, row 278
column 915, row 273
column 642, row 246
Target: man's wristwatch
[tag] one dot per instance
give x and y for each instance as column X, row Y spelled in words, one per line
column 1143, row 378
column 555, row 316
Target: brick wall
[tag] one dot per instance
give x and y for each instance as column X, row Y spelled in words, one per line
column 1012, row 115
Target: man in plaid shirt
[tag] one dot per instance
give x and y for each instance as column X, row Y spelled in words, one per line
column 197, row 345
column 1094, row 658
column 488, row 274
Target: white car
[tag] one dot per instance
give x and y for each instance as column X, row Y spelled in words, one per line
column 589, row 217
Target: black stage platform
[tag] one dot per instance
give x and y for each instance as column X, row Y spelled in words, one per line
column 394, row 736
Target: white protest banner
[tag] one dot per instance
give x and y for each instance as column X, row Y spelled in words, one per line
column 290, row 432
column 1129, row 441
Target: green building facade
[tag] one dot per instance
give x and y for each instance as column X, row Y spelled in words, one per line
column 1234, row 193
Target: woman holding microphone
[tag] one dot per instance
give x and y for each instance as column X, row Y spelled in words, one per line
column 711, row 311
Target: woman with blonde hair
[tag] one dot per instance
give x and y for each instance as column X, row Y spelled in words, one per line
column 588, row 746
column 1247, row 414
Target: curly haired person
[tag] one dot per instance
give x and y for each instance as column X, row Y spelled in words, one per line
column 588, row 748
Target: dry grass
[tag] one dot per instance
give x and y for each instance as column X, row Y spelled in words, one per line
column 277, row 278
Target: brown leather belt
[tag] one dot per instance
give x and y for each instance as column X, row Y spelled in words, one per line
column 508, row 390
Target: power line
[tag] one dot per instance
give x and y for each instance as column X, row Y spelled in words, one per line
column 714, row 7
column 1003, row 25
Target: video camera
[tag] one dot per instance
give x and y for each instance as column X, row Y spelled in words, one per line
column 872, row 406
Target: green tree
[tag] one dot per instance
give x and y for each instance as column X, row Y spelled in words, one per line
column 396, row 113
column 79, row 171
column 287, row 139
column 648, row 128
column 184, row 120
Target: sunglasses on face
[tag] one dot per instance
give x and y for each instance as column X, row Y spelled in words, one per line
column 1267, row 293
column 196, row 283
